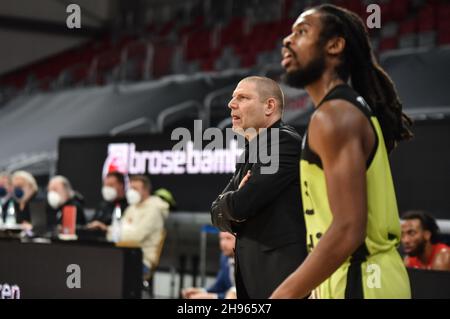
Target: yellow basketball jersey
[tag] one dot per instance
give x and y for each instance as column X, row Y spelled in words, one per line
column 376, row 269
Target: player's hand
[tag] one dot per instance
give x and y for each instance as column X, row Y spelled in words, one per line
column 187, row 293
column 231, row 293
column 97, row 225
column 26, row 226
column 203, row 295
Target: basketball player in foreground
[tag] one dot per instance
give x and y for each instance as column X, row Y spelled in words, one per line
column 351, row 215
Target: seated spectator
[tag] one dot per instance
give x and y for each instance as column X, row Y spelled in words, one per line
column 59, row 195
column 166, row 196
column 420, row 240
column 224, row 287
column 113, row 192
column 24, row 190
column 143, row 221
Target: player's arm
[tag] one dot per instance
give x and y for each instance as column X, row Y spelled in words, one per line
column 337, row 134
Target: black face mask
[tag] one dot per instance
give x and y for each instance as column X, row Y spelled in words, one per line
column 3, row 192
column 18, row 193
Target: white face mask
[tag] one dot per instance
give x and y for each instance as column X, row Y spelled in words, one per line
column 54, row 199
column 133, row 196
column 109, row 193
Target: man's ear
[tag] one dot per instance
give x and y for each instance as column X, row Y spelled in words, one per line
column 271, row 106
column 336, row 45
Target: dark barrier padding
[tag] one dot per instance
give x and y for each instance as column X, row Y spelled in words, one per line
column 421, row 169
column 39, row 270
column 426, row 284
column 421, row 78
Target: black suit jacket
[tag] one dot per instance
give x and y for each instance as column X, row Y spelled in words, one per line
column 105, row 210
column 265, row 214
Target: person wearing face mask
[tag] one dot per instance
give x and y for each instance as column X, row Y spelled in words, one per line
column 24, row 190
column 143, row 221
column 59, row 195
column 113, row 192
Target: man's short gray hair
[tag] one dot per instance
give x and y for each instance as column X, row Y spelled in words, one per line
column 268, row 88
column 66, row 183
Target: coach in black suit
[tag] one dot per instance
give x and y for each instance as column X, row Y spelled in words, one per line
column 261, row 204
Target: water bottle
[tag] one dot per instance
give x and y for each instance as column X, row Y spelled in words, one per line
column 11, row 215
column 116, row 226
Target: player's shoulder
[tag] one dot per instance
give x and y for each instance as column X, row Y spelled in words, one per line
column 444, row 250
column 338, row 116
column 442, row 257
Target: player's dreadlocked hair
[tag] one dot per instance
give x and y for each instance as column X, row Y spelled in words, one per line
column 366, row 75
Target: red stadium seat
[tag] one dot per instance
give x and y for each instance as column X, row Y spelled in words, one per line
column 427, row 19
column 388, row 44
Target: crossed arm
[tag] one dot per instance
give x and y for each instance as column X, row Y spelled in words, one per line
column 257, row 190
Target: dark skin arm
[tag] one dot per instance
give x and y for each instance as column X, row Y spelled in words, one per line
column 343, row 138
column 442, row 260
